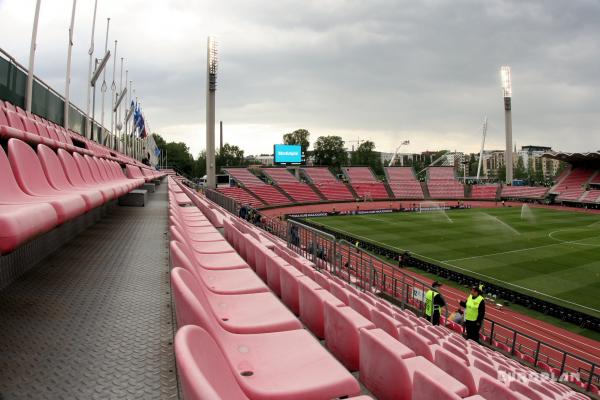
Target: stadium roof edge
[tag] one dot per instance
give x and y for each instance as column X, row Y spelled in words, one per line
column 573, row 157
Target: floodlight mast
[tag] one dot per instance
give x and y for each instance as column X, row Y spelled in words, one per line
column 505, row 75
column 211, row 87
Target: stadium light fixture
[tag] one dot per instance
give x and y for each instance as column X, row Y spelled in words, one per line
column 212, row 64
column 506, row 78
column 506, row 81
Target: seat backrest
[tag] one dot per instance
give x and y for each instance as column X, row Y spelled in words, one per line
column 14, row 120
column 84, row 169
column 133, row 171
column 360, row 306
column 427, row 388
column 486, row 367
column 42, row 130
column 339, row 292
column 190, row 304
column 29, row 125
column 526, row 391
column 416, row 342
column 53, row 168
column 3, row 119
column 70, row 167
column 53, row 133
column 455, row 367
column 203, row 370
column 27, row 168
column 490, row 388
column 93, row 168
column 102, row 169
column 382, row 369
column 9, row 188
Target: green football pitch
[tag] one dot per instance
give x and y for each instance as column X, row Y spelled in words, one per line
column 546, row 253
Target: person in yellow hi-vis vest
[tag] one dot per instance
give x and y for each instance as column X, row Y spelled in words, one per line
column 433, row 304
column 474, row 312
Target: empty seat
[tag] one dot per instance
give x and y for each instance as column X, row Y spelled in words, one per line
column 31, row 179
column 275, row 365
column 492, row 389
column 203, row 370
column 242, row 313
column 312, row 300
column 22, row 222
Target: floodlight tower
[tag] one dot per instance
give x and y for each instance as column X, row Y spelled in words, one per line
column 211, row 87
column 507, row 91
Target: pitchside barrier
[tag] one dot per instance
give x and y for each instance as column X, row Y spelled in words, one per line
column 360, row 264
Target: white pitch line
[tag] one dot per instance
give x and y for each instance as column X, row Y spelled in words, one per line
column 468, row 271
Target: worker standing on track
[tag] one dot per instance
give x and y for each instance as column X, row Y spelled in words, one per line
column 433, row 304
column 474, row 312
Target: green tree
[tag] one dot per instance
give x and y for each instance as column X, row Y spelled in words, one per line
column 520, row 171
column 229, row 156
column 200, row 165
column 501, row 173
column 299, row 136
column 329, row 150
column 473, row 164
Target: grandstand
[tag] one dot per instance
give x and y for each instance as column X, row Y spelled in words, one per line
column 442, row 183
column 299, row 191
column 403, row 182
column 365, row 184
column 267, row 194
column 484, row 192
column 326, row 183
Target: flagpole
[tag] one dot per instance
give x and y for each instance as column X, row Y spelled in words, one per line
column 88, row 121
column 117, row 129
column 29, row 92
column 103, row 88
column 113, row 88
column 68, row 80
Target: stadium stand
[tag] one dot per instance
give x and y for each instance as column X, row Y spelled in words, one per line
column 241, row 195
column 403, row 183
column 59, row 182
column 572, row 187
column 365, row 184
column 327, row 184
column 397, row 355
column 484, row 192
column 442, row 183
column 523, row 192
column 591, row 196
column 299, row 191
column 268, row 194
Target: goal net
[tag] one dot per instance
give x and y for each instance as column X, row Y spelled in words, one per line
column 427, row 206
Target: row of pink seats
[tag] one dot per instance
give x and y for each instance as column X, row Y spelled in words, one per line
column 524, row 192
column 280, row 175
column 241, row 196
column 373, row 190
column 236, row 340
column 39, row 191
column 484, row 192
column 387, row 345
column 442, row 183
column 574, row 181
column 20, row 124
column 327, row 184
column 300, row 192
column 268, row 194
column 244, row 176
column 591, row 196
column 403, row 182
column 360, row 175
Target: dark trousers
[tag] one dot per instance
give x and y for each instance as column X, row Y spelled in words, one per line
column 435, row 320
column 472, row 330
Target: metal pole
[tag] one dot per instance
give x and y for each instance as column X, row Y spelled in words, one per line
column 88, row 123
column 117, row 127
column 29, row 92
column 113, row 88
column 509, row 151
column 211, row 87
column 482, row 147
column 103, row 87
column 91, row 123
column 68, row 80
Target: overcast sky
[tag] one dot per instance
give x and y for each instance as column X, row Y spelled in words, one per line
column 384, row 70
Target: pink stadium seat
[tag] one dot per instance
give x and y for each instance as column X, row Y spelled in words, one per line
column 361, row 306
column 74, row 175
column 417, row 343
column 30, row 176
column 237, row 281
column 527, row 391
column 342, row 325
column 312, row 300
column 241, row 313
column 491, row 389
column 454, row 365
column 427, row 388
column 86, row 173
column 288, row 278
column 22, row 222
column 58, row 180
column 274, row 265
column 388, row 376
column 307, row 371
